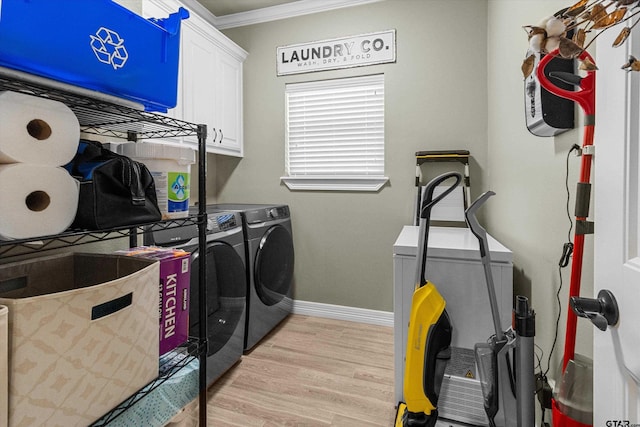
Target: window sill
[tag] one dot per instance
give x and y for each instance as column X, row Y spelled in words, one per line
column 330, row 183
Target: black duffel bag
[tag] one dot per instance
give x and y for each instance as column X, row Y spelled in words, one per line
column 115, row 191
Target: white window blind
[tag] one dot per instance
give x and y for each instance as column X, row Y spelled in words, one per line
column 335, row 132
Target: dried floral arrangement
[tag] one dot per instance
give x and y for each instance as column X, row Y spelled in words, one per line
column 582, row 19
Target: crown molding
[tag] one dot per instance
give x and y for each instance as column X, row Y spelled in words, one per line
column 284, row 11
column 201, row 11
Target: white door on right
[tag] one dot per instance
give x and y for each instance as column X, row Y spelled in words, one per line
column 616, row 351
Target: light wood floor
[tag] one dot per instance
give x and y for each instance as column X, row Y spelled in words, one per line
column 310, row 371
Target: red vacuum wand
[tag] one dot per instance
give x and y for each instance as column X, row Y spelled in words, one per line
column 585, row 96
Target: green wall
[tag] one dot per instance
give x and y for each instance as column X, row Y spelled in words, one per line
column 435, row 97
column 528, row 174
column 456, row 84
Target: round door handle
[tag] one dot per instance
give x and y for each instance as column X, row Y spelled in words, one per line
column 602, row 312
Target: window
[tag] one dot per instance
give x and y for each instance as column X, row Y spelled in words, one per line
column 335, row 134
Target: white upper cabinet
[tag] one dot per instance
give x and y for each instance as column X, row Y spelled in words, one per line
column 210, row 80
column 229, row 104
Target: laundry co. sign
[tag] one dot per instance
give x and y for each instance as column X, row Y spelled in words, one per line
column 344, row 52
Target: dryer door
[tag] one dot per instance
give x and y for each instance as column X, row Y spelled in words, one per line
column 226, row 294
column 274, row 265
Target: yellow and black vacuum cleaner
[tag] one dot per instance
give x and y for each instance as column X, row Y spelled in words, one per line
column 429, row 335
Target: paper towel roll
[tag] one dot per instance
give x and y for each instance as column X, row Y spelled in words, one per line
column 36, row 130
column 36, row 200
column 4, row 366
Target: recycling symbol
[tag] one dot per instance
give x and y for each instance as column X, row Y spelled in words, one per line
column 109, row 48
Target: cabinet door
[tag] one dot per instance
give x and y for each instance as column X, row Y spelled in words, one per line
column 228, row 105
column 198, row 58
column 210, row 80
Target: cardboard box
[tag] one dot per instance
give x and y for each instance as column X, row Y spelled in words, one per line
column 175, row 279
column 82, row 335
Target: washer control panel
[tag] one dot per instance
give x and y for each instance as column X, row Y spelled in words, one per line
column 222, row 222
column 278, row 212
column 172, row 236
column 270, row 213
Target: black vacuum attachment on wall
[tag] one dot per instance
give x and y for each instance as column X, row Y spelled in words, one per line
column 547, row 114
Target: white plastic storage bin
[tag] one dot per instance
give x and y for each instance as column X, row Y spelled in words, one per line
column 170, row 166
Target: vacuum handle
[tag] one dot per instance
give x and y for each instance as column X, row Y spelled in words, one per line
column 585, row 96
column 568, row 78
column 428, row 200
column 481, row 234
column 474, row 225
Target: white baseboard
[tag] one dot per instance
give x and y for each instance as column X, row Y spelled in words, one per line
column 340, row 312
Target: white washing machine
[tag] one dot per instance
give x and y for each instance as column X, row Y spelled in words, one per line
column 270, row 260
column 226, row 286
